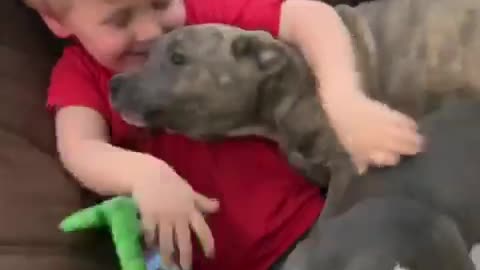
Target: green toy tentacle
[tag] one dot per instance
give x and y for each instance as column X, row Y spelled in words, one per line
column 88, row 218
column 126, row 233
column 120, row 216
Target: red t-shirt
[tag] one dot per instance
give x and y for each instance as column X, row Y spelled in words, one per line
column 265, row 204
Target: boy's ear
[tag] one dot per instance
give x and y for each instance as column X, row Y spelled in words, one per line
column 56, row 26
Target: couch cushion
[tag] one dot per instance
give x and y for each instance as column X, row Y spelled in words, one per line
column 27, row 53
column 35, row 196
column 36, row 192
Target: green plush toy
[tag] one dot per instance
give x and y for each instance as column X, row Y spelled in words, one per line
column 120, row 215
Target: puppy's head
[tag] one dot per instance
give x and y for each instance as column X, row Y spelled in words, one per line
column 202, row 81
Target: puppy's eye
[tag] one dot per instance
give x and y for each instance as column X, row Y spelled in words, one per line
column 178, row 59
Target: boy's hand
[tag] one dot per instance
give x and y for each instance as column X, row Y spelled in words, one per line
column 372, row 132
column 170, row 208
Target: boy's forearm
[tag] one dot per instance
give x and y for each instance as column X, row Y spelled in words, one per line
column 322, row 37
column 103, row 168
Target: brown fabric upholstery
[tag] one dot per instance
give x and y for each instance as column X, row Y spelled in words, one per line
column 35, row 192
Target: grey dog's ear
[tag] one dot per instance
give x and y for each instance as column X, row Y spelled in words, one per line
column 268, row 55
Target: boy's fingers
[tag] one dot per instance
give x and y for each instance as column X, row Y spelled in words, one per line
column 204, row 204
column 204, row 235
column 409, row 123
column 359, row 163
column 403, row 120
column 149, row 230
column 184, row 244
column 411, row 144
column 165, row 240
column 361, row 166
column 405, row 142
column 385, row 158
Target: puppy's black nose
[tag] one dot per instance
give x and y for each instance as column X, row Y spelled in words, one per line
column 115, row 85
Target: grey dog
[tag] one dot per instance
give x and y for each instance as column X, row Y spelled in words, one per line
column 420, row 215
column 213, row 81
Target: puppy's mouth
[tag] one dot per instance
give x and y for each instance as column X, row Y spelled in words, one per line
column 170, row 131
column 140, row 122
column 134, row 119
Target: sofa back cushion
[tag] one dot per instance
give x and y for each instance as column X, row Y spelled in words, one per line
column 36, row 193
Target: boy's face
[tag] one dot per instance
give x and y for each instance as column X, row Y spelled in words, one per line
column 119, row 33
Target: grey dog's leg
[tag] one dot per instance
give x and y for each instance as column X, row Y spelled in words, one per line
column 300, row 255
column 297, row 258
column 342, row 172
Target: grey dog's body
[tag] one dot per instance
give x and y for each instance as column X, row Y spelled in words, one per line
column 415, row 55
column 422, row 214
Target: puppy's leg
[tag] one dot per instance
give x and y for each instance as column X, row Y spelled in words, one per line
column 342, row 172
column 448, row 243
column 300, row 256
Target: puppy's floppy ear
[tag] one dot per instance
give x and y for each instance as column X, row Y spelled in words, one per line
column 268, row 55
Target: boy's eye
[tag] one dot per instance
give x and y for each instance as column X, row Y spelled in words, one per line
column 120, row 19
column 161, row 4
column 178, row 59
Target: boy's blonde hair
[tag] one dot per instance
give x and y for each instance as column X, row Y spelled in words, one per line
column 55, row 8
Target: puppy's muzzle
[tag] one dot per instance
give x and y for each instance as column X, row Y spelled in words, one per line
column 115, row 85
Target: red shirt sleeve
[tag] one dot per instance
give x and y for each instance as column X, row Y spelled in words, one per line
column 246, row 14
column 75, row 82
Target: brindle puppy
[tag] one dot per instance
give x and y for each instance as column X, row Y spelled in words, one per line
column 214, row 81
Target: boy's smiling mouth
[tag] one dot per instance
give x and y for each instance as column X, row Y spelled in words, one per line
column 134, row 59
column 137, row 55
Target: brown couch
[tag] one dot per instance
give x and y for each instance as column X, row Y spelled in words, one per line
column 35, row 192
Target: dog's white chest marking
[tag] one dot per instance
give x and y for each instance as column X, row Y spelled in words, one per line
column 399, row 267
column 475, row 255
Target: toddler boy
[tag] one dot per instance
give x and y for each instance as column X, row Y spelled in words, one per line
column 261, row 206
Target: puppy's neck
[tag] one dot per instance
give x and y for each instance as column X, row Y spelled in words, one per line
column 278, row 93
column 282, row 90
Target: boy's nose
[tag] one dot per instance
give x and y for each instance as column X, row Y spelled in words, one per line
column 148, row 30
